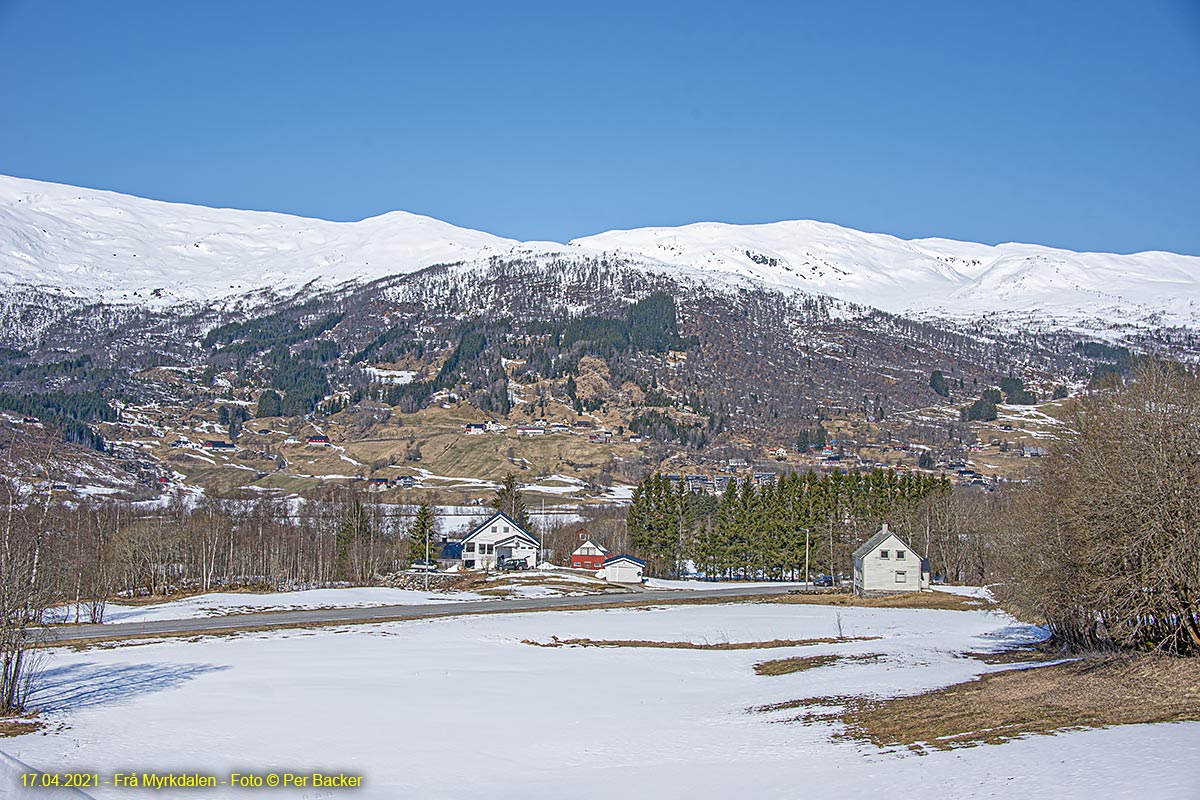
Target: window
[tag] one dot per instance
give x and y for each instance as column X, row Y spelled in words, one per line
column 883, row 553
column 899, row 554
column 469, row 564
column 901, row 576
column 470, row 548
column 505, row 528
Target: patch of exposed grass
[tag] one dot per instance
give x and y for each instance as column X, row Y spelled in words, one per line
column 1031, row 654
column 18, row 726
column 808, row 702
column 786, row 666
column 1092, row 692
column 935, row 600
column 556, row 642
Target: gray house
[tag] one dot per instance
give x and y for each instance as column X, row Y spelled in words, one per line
column 885, row 564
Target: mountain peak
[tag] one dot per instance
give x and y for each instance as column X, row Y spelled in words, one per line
column 104, row 245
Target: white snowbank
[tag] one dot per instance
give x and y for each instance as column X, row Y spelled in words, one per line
column 221, row 603
column 982, row 592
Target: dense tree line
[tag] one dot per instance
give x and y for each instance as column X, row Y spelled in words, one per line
column 801, row 522
column 66, row 561
column 661, row 426
column 72, row 412
column 260, row 334
column 650, row 325
column 300, row 379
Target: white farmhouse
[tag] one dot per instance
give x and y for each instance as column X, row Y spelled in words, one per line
column 885, row 564
column 623, row 569
column 499, row 537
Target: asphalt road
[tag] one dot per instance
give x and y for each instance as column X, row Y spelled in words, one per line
column 302, row 618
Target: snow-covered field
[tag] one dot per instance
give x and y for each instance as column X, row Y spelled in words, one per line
column 220, row 603
column 461, row 708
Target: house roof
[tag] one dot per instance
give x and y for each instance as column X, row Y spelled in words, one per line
column 879, row 538
column 517, row 537
column 603, row 550
column 500, row 515
column 624, row 557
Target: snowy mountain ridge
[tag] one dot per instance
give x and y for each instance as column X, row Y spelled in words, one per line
column 95, row 245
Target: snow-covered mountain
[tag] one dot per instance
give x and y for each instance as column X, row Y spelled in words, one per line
column 103, row 245
column 935, row 277
column 98, row 245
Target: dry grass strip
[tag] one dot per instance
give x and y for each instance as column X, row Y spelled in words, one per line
column 831, row 701
column 1031, row 654
column 786, row 666
column 1093, row 692
column 14, row 726
column 936, row 600
column 556, row 642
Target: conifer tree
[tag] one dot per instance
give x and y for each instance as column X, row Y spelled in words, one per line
column 269, row 404
column 422, row 536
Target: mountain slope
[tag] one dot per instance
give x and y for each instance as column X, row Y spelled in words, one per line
column 938, row 277
column 103, row 245
column 95, row 245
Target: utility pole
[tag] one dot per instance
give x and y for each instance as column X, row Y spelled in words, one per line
column 806, row 584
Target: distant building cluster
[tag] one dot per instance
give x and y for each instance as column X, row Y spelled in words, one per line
column 542, row 427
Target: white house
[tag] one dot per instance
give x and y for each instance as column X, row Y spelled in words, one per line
column 499, row 537
column 885, row 564
column 623, row 569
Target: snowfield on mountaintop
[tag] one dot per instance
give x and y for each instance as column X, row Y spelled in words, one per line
column 462, row 708
column 90, row 244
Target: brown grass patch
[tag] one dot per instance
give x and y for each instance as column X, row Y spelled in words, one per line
column 808, row 702
column 786, row 666
column 556, row 642
column 1094, row 692
column 1030, row 654
column 935, row 600
column 14, row 726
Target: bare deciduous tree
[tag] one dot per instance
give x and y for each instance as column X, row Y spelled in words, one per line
column 1105, row 545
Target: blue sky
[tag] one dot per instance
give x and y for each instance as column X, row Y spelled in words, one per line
column 1074, row 124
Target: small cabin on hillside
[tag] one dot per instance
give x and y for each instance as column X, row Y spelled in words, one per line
column 499, row 538
column 885, row 564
